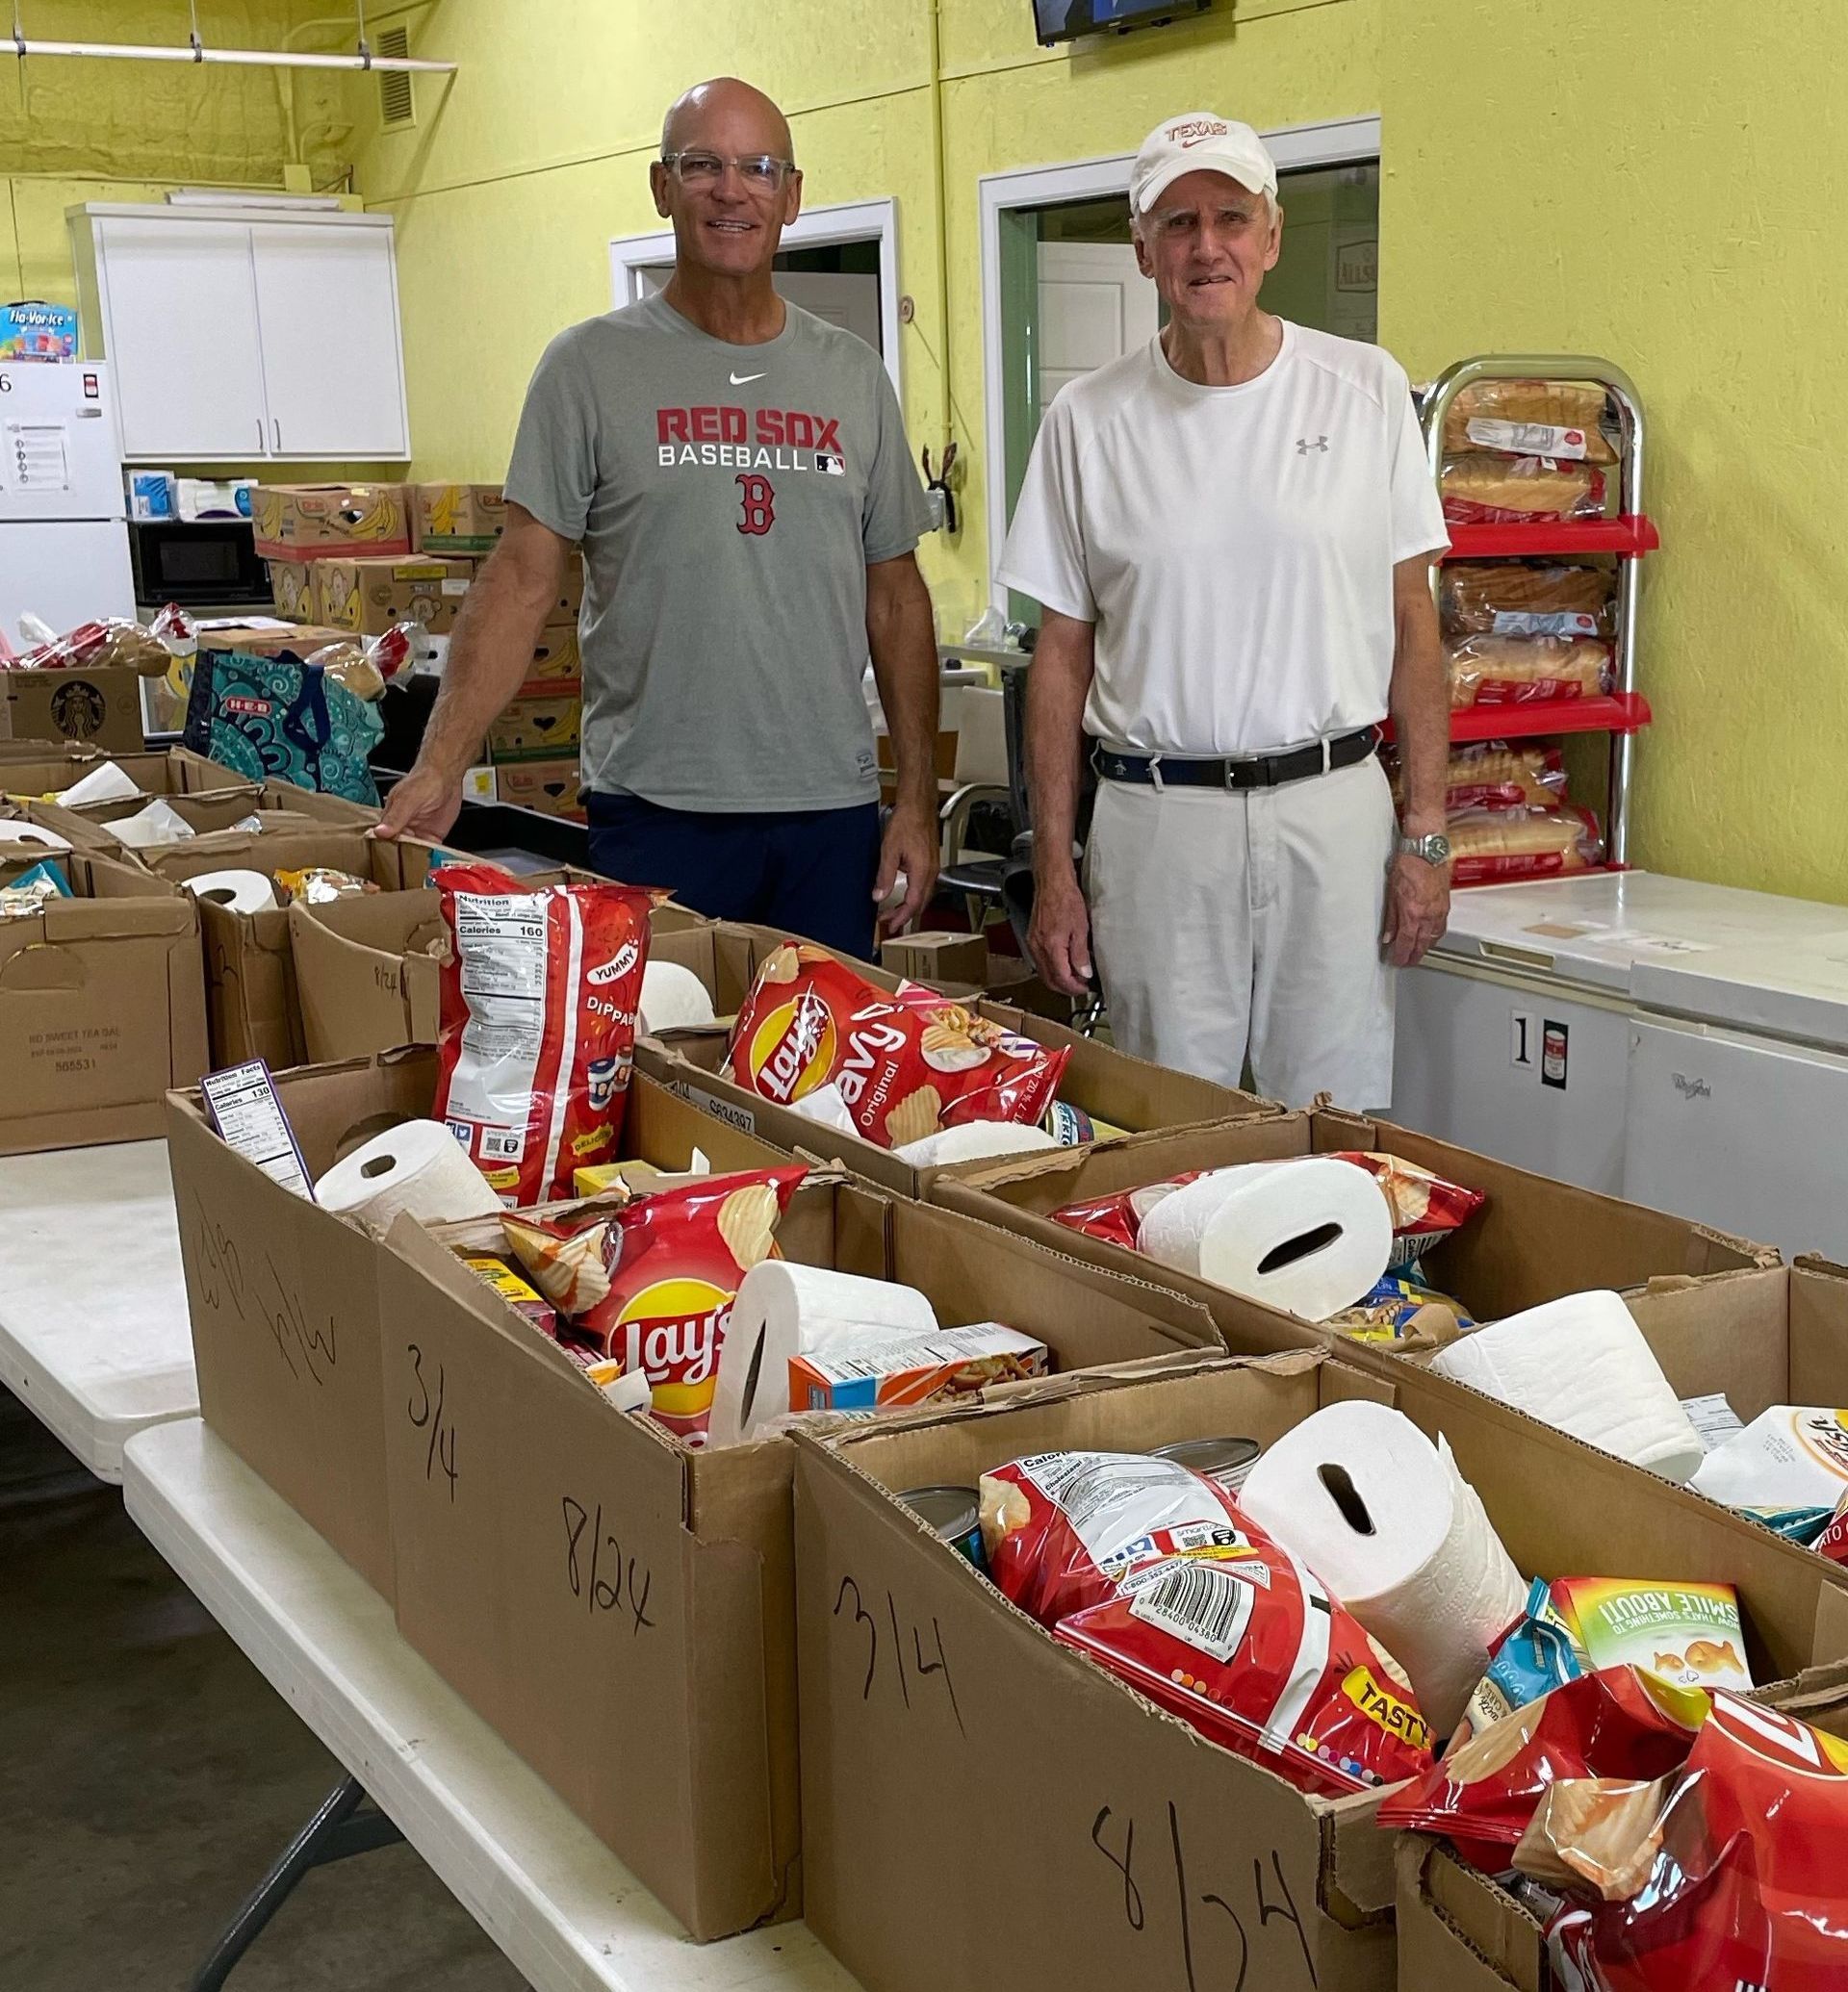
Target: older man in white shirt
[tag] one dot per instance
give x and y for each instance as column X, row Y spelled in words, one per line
column 1230, row 533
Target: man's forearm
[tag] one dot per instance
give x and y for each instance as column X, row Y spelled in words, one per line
column 490, row 653
column 902, row 639
column 1421, row 709
column 1058, row 685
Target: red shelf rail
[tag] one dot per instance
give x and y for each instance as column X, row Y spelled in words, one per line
column 1620, row 712
column 1631, row 537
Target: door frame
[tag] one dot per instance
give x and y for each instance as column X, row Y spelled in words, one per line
column 1333, row 141
column 814, row 228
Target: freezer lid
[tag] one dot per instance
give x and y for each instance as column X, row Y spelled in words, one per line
column 1606, row 930
column 1796, row 989
column 60, row 457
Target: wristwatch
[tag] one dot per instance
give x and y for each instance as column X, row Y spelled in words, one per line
column 1434, row 849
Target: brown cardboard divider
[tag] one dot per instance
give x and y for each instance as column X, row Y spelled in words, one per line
column 567, row 1525
column 37, row 768
column 284, row 1294
column 1532, row 1240
column 102, row 1006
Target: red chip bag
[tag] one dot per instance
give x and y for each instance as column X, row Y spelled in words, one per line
column 1118, row 1220
column 652, row 1282
column 1618, row 1722
column 1742, row 1883
column 905, row 1063
column 1425, row 1208
column 538, row 1024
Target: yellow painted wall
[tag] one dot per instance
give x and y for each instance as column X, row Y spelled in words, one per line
column 1642, row 178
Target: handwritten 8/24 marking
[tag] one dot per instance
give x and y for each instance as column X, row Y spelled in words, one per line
column 604, row 1593
column 924, row 1667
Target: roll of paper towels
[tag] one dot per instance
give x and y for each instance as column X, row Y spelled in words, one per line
column 30, row 834
column 419, row 1167
column 243, row 892
column 674, row 998
column 825, row 1107
column 1397, row 1535
column 105, row 784
column 160, row 823
column 972, row 1139
column 1308, row 1236
column 1581, row 1363
column 785, row 1310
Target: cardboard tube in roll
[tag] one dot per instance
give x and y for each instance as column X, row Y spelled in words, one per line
column 30, row 835
column 1308, row 1236
column 1397, row 1535
column 971, row 1140
column 243, row 892
column 674, row 998
column 784, row 1310
column 105, row 784
column 1581, row 1363
column 419, row 1167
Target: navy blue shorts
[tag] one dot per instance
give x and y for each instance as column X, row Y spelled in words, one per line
column 808, row 871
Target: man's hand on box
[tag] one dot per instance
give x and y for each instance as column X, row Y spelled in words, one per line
column 424, row 803
column 1418, row 909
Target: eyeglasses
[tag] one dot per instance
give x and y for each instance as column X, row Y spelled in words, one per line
column 762, row 172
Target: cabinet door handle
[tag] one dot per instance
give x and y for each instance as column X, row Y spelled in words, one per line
column 259, row 435
column 275, row 423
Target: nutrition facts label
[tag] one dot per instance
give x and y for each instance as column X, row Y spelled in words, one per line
column 245, row 1110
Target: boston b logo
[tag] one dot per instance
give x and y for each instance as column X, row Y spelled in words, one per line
column 759, row 501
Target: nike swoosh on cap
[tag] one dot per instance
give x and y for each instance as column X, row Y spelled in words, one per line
column 739, row 379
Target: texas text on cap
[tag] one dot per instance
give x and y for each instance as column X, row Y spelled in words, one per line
column 1199, row 141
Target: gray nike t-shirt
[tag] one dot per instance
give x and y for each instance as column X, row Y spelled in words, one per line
column 730, row 499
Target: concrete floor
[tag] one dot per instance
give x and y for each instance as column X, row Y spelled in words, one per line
column 148, row 1775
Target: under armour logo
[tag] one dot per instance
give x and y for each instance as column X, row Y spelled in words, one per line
column 1304, row 445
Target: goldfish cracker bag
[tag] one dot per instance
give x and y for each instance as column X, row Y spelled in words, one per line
column 651, row 1282
column 538, row 1024
column 895, row 1066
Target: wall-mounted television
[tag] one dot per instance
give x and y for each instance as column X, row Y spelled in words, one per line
column 1062, row 20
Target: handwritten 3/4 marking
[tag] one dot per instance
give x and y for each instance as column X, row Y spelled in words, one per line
column 605, row 1584
column 427, row 1415
column 923, row 1667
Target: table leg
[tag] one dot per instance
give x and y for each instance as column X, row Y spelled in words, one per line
column 335, row 1830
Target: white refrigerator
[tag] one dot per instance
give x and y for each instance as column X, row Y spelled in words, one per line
column 1681, row 1044
column 64, row 532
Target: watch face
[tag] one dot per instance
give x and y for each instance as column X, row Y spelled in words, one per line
column 1437, row 848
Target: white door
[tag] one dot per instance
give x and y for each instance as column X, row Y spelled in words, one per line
column 1095, row 306
column 1740, row 1133
column 1513, row 1068
column 181, row 329
column 67, row 572
column 850, row 301
column 333, row 370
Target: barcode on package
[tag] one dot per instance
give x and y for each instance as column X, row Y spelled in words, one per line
column 1201, row 1603
column 1713, row 1419
column 241, row 1100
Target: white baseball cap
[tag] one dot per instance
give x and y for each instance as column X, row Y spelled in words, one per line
column 1199, row 141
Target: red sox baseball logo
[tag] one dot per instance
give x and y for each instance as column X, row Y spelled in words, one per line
column 759, row 501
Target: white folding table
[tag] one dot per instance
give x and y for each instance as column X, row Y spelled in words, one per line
column 94, row 1339
column 565, row 1911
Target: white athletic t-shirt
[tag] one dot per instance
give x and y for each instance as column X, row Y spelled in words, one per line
column 1234, row 546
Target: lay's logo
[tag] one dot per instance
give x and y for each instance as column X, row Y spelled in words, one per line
column 793, row 1050
column 614, row 970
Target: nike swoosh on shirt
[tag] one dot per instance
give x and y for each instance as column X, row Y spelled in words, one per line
column 739, row 379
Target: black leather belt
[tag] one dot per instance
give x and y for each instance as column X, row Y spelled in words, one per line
column 1259, row 771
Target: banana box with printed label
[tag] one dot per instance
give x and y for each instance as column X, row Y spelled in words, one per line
column 542, row 722
column 548, row 786
column 293, row 521
column 459, row 518
column 555, row 659
column 293, row 584
column 369, row 595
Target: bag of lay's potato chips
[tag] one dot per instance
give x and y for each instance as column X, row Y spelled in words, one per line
column 651, row 1282
column 896, row 1066
column 1117, row 1219
column 1425, row 1208
column 539, row 997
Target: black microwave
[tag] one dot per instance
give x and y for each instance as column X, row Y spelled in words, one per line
column 208, row 564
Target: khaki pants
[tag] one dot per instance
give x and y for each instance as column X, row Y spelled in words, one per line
column 1232, row 925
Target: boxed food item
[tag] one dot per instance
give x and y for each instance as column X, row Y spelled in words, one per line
column 297, row 519
column 548, row 786
column 293, row 584
column 152, row 495
column 92, row 706
column 102, row 1002
column 587, row 1544
column 31, row 329
column 369, row 595
column 459, row 518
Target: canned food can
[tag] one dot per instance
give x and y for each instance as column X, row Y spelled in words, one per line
column 1225, row 1459
column 956, row 1514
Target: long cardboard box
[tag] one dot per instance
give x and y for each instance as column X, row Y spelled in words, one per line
column 284, row 1294
column 207, row 814
column 1533, row 1239
column 40, row 770
column 1151, row 1852
column 582, row 1563
column 102, row 1007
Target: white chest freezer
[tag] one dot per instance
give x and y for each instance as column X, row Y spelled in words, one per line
column 1517, row 1035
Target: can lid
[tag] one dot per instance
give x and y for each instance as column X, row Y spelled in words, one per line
column 953, row 1512
column 1216, row 1458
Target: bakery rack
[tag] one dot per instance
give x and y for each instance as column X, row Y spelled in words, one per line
column 1629, row 534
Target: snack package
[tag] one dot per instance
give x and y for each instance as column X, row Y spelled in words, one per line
column 319, row 884
column 1832, row 1540
column 537, row 1024
column 1071, row 1127
column 1519, row 598
column 1118, row 1218
column 33, row 890
column 1494, row 844
column 1495, row 775
column 953, row 1363
column 513, row 1289
column 1687, row 1634
column 1481, row 489
column 1390, row 1313
column 1538, row 417
column 1526, row 670
column 905, row 1064
column 1790, row 1456
column 1733, row 1879
column 1425, row 1208
column 651, row 1282
column 1618, row 1724
column 1536, row 1654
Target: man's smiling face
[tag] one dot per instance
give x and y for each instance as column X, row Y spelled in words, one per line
column 728, row 225
column 1207, row 244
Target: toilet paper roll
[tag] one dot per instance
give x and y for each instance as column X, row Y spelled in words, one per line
column 30, row 834
column 1309, row 1236
column 243, row 892
column 785, row 1310
column 105, row 784
column 673, row 998
column 1581, row 1363
column 160, row 823
column 827, row 1109
column 1399, row 1536
column 971, row 1140
column 419, row 1167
